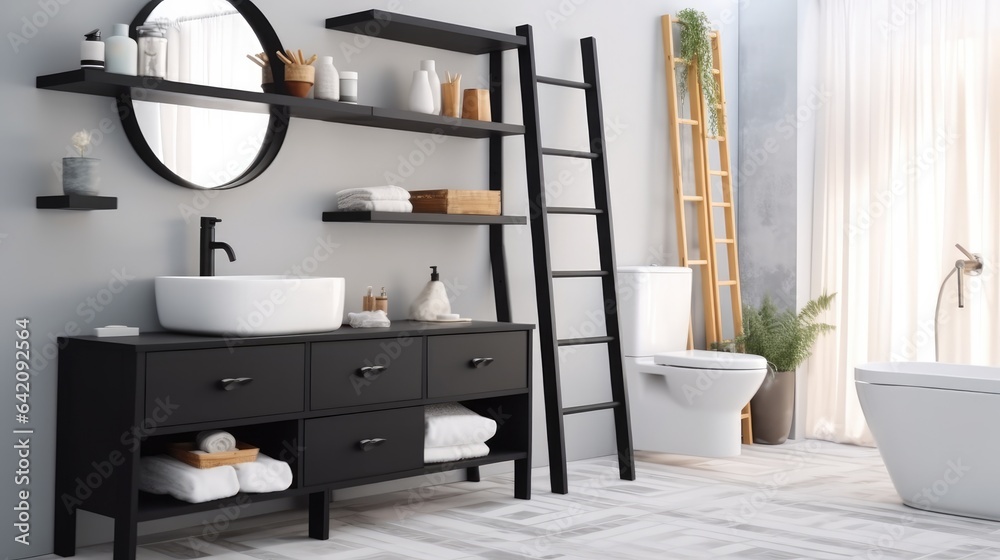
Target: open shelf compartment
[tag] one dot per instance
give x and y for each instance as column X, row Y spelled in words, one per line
column 98, row 82
column 425, row 32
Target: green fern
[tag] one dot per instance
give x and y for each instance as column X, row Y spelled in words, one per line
column 784, row 338
column 696, row 46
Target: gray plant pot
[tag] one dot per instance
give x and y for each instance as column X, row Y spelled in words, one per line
column 80, row 175
column 772, row 407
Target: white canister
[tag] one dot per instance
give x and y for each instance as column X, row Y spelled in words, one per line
column 349, row 87
column 92, row 50
column 327, row 80
column 121, row 53
column 421, row 99
column 435, row 82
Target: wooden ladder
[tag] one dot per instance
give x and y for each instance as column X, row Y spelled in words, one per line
column 708, row 242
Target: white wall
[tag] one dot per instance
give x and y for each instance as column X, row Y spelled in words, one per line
column 54, row 261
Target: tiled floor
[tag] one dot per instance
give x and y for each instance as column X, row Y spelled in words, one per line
column 808, row 499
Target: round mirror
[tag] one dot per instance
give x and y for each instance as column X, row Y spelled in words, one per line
column 203, row 42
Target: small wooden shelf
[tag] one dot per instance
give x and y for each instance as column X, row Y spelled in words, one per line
column 98, row 82
column 76, row 202
column 413, row 218
column 425, row 32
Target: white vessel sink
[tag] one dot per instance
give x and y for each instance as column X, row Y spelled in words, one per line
column 249, row 305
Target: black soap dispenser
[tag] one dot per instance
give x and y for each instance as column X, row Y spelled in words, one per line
column 92, row 51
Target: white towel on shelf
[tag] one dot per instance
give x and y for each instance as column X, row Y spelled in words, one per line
column 375, row 206
column 215, row 441
column 451, row 424
column 455, row 452
column 162, row 474
column 264, row 475
column 374, row 193
column 368, row 319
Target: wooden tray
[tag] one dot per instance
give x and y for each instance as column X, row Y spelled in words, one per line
column 245, row 453
column 447, row 201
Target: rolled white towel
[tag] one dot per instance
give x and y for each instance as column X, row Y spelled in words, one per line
column 215, row 441
column 455, row 452
column 162, row 474
column 375, row 193
column 375, row 206
column 451, row 424
column 368, row 319
column 264, row 475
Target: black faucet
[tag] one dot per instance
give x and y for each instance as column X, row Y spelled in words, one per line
column 209, row 245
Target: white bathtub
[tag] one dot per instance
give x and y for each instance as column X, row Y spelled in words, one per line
column 937, row 427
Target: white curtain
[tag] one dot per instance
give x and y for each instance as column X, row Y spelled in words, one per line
column 907, row 164
column 207, row 146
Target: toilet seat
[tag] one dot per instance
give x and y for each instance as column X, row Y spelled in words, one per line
column 710, row 359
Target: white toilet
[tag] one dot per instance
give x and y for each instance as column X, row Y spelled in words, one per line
column 682, row 401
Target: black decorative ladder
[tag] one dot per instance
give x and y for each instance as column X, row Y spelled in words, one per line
column 539, row 211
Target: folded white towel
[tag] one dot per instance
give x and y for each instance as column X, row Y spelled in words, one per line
column 375, row 206
column 215, row 441
column 455, row 452
column 451, row 424
column 375, row 193
column 368, row 319
column 162, row 474
column 264, row 475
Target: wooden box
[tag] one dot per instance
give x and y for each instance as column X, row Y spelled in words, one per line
column 244, row 453
column 447, row 201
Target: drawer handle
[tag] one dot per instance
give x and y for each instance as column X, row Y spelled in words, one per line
column 481, row 362
column 371, row 372
column 369, row 444
column 232, row 383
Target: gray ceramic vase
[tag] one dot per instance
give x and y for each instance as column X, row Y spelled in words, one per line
column 80, row 175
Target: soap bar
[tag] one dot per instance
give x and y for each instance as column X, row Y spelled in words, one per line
column 448, row 316
column 116, row 330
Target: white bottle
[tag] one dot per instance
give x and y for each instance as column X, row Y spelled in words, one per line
column 121, row 52
column 435, row 82
column 327, row 80
column 432, row 301
column 349, row 87
column 92, row 51
column 421, row 97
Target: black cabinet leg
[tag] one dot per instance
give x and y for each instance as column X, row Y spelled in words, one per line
column 522, row 479
column 319, row 515
column 126, row 538
column 65, row 530
column 472, row 474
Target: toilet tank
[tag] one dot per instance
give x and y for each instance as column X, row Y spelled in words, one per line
column 654, row 305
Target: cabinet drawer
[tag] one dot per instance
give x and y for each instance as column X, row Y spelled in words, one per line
column 191, row 383
column 341, row 448
column 365, row 372
column 452, row 370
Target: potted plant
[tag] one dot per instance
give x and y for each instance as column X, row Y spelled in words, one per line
column 79, row 174
column 785, row 339
column 696, row 46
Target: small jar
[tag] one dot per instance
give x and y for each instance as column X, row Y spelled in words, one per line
column 152, row 50
column 349, row 87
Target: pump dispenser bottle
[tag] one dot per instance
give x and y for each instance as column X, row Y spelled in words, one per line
column 432, row 301
column 92, row 51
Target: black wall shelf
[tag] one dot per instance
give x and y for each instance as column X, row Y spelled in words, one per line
column 413, row 218
column 76, row 202
column 98, row 82
column 425, row 32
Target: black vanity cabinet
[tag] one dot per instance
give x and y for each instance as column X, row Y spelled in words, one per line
column 343, row 408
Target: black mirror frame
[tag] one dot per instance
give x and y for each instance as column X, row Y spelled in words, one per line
column 277, row 124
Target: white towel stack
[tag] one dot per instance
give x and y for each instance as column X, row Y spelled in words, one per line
column 374, row 199
column 162, row 474
column 264, row 475
column 368, row 319
column 453, row 432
